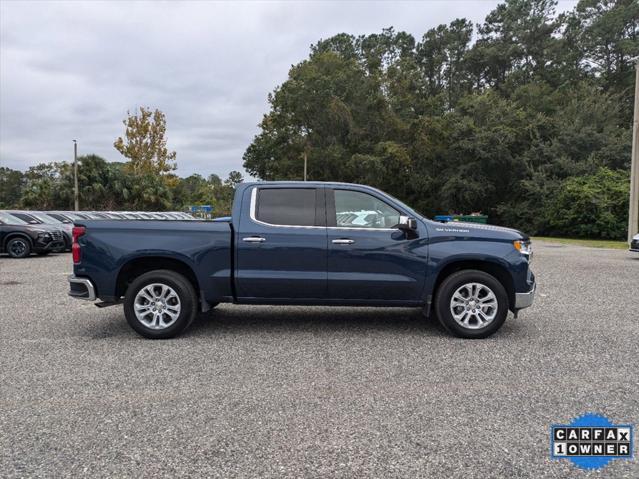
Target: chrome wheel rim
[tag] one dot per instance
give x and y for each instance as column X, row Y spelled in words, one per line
column 157, row 306
column 474, row 306
column 18, row 248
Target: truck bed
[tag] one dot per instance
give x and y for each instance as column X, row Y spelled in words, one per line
column 110, row 246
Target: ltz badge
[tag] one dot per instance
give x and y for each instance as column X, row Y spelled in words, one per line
column 591, row 441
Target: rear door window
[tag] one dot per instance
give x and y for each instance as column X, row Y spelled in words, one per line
column 286, row 206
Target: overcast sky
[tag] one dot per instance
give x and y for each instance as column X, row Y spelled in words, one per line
column 72, row 69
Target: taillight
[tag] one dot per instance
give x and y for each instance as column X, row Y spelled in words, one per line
column 75, row 247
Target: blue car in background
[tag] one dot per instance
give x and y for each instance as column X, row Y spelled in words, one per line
column 304, row 243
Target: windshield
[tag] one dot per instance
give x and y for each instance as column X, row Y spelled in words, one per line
column 11, row 220
column 404, row 206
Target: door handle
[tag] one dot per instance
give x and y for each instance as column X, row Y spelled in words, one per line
column 254, row 239
column 343, row 241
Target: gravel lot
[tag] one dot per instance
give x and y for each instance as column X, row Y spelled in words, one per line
column 314, row 392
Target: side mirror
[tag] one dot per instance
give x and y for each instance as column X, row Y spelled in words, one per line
column 406, row 223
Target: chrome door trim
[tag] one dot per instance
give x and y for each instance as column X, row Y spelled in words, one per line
column 254, row 219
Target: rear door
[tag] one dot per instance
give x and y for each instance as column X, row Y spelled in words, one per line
column 369, row 259
column 281, row 248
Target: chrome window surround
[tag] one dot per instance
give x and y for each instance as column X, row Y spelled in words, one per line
column 254, row 219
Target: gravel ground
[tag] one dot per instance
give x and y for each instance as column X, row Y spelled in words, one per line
column 314, row 392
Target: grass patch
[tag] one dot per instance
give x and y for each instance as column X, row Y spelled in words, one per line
column 584, row 242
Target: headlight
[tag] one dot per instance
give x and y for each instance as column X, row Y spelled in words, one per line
column 524, row 247
column 45, row 235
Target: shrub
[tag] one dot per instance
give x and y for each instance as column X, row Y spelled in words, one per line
column 592, row 206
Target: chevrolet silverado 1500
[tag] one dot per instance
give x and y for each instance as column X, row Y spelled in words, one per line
column 304, row 243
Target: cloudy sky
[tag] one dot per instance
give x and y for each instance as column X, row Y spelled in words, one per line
column 72, row 69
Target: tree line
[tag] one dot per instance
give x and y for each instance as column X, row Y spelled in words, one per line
column 109, row 186
column 526, row 117
column 145, row 182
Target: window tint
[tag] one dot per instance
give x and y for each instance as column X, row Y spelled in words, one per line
column 45, row 218
column 59, row 217
column 361, row 210
column 8, row 219
column 27, row 218
column 286, row 206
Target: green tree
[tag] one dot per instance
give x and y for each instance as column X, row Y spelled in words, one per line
column 443, row 57
column 42, row 186
column 497, row 126
column 591, row 206
column 604, row 34
column 517, row 43
column 144, row 144
column 11, row 185
column 224, row 192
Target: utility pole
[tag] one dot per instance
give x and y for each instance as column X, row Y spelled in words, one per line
column 633, row 212
column 76, row 195
column 305, row 163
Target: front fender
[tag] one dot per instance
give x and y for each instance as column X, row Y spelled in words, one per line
column 444, row 253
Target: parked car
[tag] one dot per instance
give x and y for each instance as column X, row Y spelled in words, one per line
column 130, row 216
column 71, row 215
column 96, row 215
column 19, row 239
column 144, row 215
column 634, row 244
column 283, row 245
column 37, row 217
column 60, row 217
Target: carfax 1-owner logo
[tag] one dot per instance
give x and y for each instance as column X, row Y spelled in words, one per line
column 591, row 441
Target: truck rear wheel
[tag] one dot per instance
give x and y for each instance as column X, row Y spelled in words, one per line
column 471, row 304
column 160, row 304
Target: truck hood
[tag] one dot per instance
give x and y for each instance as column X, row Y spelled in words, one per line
column 475, row 230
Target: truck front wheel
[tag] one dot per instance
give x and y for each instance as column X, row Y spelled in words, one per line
column 160, row 304
column 471, row 304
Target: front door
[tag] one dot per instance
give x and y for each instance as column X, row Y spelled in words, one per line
column 369, row 259
column 281, row 246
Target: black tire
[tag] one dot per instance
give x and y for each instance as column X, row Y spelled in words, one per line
column 457, row 280
column 187, row 299
column 18, row 247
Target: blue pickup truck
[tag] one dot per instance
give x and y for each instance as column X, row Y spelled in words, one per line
column 304, row 243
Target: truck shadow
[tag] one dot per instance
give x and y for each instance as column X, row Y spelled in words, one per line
column 320, row 321
column 315, row 319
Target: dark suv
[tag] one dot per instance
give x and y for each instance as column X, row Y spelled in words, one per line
column 38, row 218
column 19, row 239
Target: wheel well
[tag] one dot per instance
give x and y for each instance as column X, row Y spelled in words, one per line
column 11, row 236
column 137, row 267
column 493, row 269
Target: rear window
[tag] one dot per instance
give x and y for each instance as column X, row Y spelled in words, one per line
column 286, row 206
